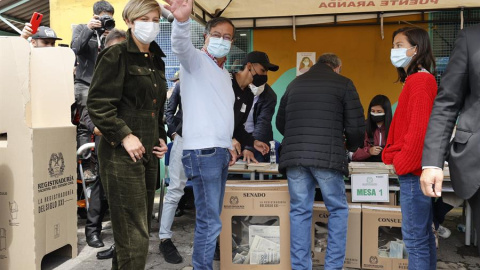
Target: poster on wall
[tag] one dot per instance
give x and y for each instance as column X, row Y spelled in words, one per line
column 305, row 60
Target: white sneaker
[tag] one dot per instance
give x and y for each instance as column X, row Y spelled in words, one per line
column 443, row 232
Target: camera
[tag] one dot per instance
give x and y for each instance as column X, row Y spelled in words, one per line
column 108, row 23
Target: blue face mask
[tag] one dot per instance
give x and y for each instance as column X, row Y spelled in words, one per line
column 399, row 57
column 218, row 47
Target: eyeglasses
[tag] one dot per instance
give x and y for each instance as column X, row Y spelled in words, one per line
column 226, row 37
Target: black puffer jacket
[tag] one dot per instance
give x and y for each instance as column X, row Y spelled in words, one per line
column 319, row 115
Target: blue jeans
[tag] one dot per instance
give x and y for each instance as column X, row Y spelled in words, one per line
column 208, row 170
column 301, row 185
column 417, row 230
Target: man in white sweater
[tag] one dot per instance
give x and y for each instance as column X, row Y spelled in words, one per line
column 207, row 102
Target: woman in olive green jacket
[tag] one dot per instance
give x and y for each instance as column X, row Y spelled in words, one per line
column 125, row 103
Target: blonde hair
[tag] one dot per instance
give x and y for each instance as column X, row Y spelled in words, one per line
column 135, row 9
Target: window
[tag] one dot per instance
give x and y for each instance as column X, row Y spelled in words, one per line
column 444, row 32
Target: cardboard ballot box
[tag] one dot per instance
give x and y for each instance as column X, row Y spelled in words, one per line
column 255, row 226
column 320, row 234
column 382, row 245
column 37, row 154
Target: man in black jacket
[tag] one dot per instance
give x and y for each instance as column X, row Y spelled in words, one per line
column 253, row 74
column 457, row 97
column 87, row 41
column 258, row 126
column 319, row 114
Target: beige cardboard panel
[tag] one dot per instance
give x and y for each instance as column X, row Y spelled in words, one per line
column 25, row 159
column 54, row 188
column 271, row 8
column 374, row 217
column 52, row 86
column 353, row 248
column 262, row 198
column 16, row 212
column 14, row 80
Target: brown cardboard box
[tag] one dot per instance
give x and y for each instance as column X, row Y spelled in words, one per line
column 37, row 155
column 391, row 201
column 319, row 222
column 381, row 225
column 265, row 204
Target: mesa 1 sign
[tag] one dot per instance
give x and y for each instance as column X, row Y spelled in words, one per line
column 370, row 188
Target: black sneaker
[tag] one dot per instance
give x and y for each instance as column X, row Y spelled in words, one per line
column 170, row 252
column 179, row 212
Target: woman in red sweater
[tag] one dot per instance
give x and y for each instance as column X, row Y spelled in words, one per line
column 413, row 58
column 377, row 125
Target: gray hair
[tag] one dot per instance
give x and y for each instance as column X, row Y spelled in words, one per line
column 330, row 59
column 216, row 21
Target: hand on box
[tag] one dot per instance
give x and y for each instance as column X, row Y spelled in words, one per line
column 248, row 156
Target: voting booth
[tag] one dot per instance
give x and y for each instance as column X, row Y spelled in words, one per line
column 37, row 154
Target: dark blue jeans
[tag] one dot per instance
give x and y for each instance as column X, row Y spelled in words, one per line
column 301, row 186
column 208, row 170
column 417, row 230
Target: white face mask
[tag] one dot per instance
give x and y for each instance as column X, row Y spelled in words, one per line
column 218, row 47
column 399, row 57
column 257, row 90
column 146, row 32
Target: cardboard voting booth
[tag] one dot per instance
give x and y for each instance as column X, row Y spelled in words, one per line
column 255, row 226
column 37, row 154
column 320, row 234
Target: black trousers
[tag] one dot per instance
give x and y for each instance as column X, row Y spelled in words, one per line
column 475, row 204
column 440, row 210
column 97, row 208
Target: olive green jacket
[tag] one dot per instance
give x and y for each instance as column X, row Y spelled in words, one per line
column 128, row 83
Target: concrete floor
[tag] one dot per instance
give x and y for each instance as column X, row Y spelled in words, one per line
column 452, row 254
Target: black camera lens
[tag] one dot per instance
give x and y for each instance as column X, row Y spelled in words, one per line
column 108, row 23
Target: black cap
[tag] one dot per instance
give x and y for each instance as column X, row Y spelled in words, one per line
column 260, row 58
column 45, row 32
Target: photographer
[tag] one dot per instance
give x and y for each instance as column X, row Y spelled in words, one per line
column 87, row 41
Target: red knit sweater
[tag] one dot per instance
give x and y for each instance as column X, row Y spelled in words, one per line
column 409, row 125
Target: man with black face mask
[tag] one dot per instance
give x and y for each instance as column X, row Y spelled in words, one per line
column 254, row 72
